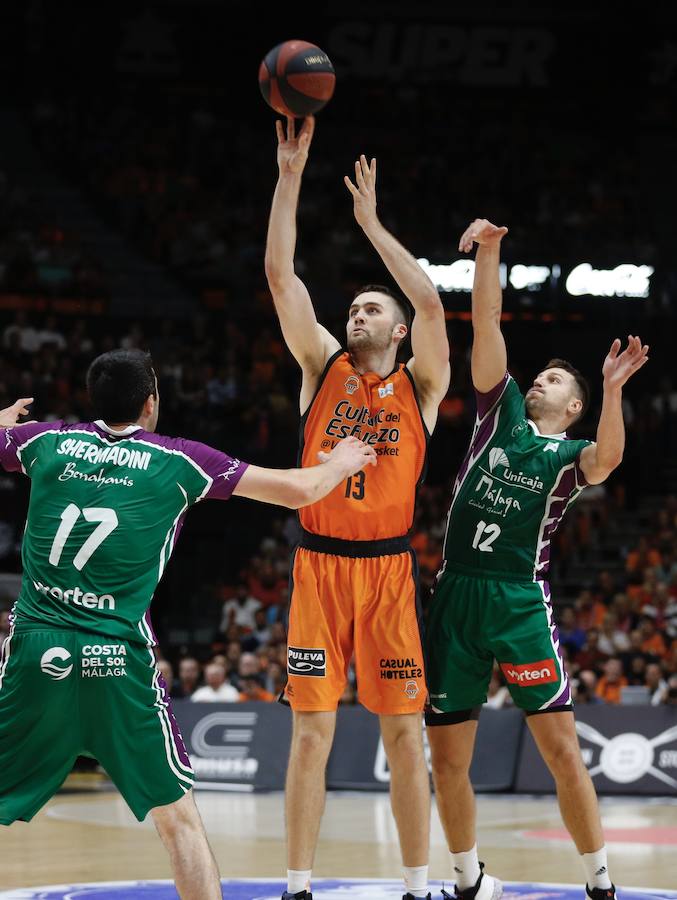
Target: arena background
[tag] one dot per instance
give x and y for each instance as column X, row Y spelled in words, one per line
column 137, row 164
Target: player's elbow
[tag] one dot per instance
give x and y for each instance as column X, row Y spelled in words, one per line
column 277, row 274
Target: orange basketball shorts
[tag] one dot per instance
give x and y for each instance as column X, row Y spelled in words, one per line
column 363, row 607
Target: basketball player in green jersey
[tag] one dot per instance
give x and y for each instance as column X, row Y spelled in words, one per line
column 77, row 671
column 492, row 599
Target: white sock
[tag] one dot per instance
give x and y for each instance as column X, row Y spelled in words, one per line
column 466, row 868
column 416, row 880
column 596, row 869
column 298, row 880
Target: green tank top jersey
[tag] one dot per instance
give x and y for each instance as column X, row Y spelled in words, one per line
column 511, row 493
column 105, row 512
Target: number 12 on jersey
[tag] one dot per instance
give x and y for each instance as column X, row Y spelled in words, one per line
column 489, row 533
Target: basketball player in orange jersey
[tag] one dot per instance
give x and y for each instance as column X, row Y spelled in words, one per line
column 354, row 573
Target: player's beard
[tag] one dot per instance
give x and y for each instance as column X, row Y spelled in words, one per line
column 363, row 342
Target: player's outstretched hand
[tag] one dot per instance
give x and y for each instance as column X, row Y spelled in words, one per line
column 350, row 453
column 481, row 231
column 618, row 368
column 363, row 191
column 10, row 416
column 292, row 151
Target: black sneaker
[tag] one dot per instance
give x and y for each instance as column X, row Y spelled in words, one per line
column 601, row 893
column 411, row 897
column 485, row 888
column 302, row 895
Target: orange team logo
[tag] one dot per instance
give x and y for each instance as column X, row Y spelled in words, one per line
column 352, row 384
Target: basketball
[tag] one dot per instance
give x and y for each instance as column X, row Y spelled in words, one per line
column 296, row 78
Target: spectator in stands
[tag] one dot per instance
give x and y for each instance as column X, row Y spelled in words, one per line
column 233, row 654
column 612, row 640
column 166, row 671
column 625, row 616
column 652, row 639
column 612, row 682
column 252, row 689
column 591, row 657
column 642, row 556
column 240, row 609
column 636, row 672
column 571, row 635
column 249, row 666
column 216, row 689
column 589, row 612
column 671, row 693
column 656, row 683
column 260, row 634
column 189, row 678
column 605, row 589
column 586, row 688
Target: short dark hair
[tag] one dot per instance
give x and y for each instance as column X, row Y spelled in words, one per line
column 582, row 386
column 119, row 383
column 403, row 306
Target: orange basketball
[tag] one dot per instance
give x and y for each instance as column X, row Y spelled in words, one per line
column 296, row 78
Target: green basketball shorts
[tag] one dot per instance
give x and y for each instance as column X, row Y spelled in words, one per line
column 65, row 694
column 474, row 621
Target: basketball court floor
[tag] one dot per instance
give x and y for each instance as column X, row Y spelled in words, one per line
column 90, row 838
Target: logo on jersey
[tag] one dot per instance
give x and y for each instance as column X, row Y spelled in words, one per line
column 403, row 669
column 49, row 666
column 76, row 596
column 530, row 674
column 553, row 446
column 307, row 661
column 233, row 468
column 497, row 457
column 411, row 690
column 387, row 391
column 352, row 384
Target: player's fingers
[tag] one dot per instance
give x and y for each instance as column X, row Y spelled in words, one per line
column 351, row 187
column 366, row 171
column 615, row 347
column 323, row 457
column 309, row 126
column 291, row 128
column 359, row 178
column 372, row 169
column 503, row 230
column 279, row 131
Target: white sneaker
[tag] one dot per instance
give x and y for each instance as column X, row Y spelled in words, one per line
column 485, row 888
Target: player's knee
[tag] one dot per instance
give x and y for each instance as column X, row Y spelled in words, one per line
column 403, row 744
column 311, row 742
column 564, row 761
column 448, row 763
column 176, row 821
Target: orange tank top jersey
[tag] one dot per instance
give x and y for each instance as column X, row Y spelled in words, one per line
column 378, row 502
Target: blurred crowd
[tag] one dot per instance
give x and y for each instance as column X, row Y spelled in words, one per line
column 169, row 172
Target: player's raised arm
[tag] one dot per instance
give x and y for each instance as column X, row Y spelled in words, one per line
column 489, row 358
column 310, row 343
column 600, row 459
column 300, row 487
column 430, row 365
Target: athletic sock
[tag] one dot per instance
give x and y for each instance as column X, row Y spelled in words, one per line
column 416, row 880
column 466, row 868
column 596, row 869
column 298, row 880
